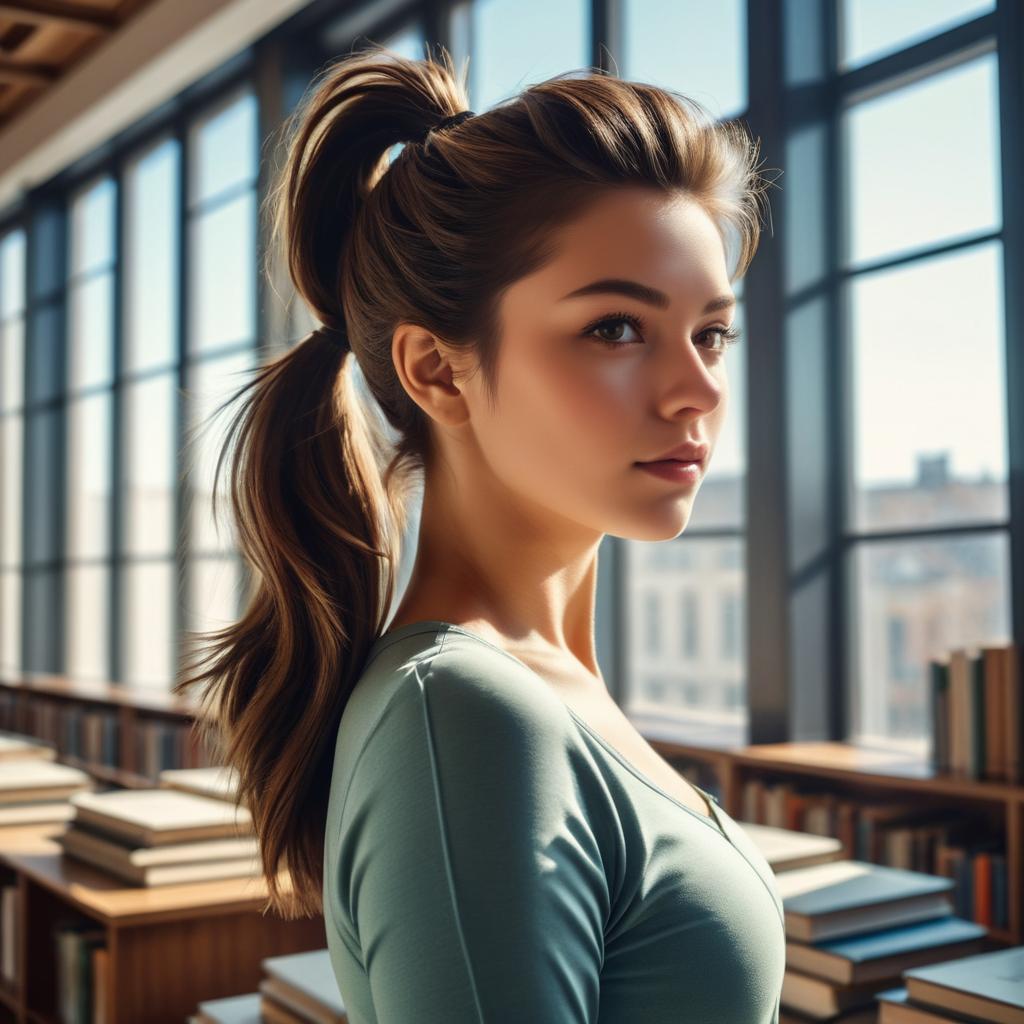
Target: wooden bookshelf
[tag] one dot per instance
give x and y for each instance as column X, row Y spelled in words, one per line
column 123, row 736
column 869, row 774
column 169, row 946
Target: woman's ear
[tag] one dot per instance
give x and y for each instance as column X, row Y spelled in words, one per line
column 431, row 373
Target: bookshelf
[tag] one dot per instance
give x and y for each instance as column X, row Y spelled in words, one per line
column 123, row 736
column 867, row 774
column 168, row 947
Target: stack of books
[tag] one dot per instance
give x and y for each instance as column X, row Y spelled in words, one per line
column 986, row 987
column 16, row 747
column 35, row 790
column 162, row 836
column 853, row 928
column 218, row 781
column 298, row 988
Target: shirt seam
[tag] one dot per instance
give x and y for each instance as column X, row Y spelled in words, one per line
column 435, row 777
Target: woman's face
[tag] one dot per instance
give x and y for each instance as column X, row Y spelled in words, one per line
column 575, row 413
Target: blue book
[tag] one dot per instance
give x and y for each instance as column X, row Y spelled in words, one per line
column 989, row 986
column 886, row 953
column 850, row 897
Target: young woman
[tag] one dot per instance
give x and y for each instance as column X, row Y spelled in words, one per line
column 538, row 298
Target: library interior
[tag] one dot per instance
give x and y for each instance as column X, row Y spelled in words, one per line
column 862, row 750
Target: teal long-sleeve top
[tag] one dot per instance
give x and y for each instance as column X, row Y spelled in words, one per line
column 490, row 858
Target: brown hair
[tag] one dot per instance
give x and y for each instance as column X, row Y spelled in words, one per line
column 317, row 493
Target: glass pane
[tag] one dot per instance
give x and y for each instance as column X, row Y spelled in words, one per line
column 902, row 166
column 92, row 227
column 11, row 439
column 10, row 623
column 214, row 594
column 911, row 601
column 929, row 416
column 150, row 450
column 222, row 275
column 869, row 29
column 89, row 472
column 212, row 382
column 12, row 364
column 517, row 43
column 686, row 638
column 87, row 623
column 91, row 332
column 224, row 148
column 151, row 259
column 408, row 42
column 12, row 273
column 692, row 47
column 147, row 623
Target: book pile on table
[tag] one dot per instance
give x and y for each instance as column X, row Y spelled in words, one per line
column 218, row 781
column 986, row 987
column 35, row 790
column 852, row 929
column 298, row 988
column 162, row 836
column 16, row 747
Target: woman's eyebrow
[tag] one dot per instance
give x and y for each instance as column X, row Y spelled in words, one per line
column 642, row 292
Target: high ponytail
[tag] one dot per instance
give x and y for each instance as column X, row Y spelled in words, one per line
column 319, row 484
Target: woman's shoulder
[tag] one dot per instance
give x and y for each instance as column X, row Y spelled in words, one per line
column 442, row 678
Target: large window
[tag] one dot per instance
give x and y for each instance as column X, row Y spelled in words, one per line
column 926, row 421
column 131, row 306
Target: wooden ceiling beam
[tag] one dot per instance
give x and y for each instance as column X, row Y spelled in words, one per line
column 53, row 12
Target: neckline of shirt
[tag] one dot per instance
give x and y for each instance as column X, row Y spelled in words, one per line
column 439, row 625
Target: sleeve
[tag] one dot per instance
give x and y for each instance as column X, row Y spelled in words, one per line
column 474, row 881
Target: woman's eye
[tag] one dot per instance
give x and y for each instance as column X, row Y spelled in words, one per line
column 610, row 330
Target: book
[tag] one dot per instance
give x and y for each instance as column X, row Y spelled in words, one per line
column 304, row 984
column 38, row 812
column 894, row 1007
column 155, row 817
column 16, row 747
column 786, row 849
column 887, row 952
column 243, row 1009
column 849, row 897
column 861, row 1015
column 989, row 986
column 219, row 781
column 823, row 1000
column 28, row 780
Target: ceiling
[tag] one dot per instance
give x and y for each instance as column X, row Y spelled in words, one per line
column 41, row 40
